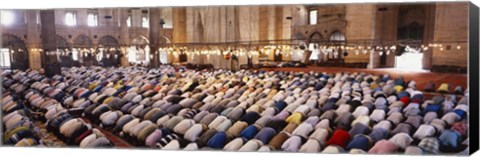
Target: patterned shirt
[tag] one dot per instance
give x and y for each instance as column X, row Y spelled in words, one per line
column 430, row 145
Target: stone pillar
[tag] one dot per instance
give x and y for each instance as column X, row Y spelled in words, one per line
column 49, row 42
column 451, row 26
column 279, row 22
column 386, row 29
column 361, row 26
column 179, row 34
column 154, row 36
column 33, row 42
column 124, row 36
column 428, row 34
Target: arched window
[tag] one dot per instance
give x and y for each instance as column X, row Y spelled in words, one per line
column 62, row 43
column 139, row 51
column 337, row 36
column 13, row 53
column 81, row 41
column 106, row 44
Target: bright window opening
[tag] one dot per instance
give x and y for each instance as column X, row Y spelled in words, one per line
column 92, row 19
column 75, row 54
column 129, row 21
column 313, row 17
column 70, row 19
column 38, row 18
column 409, row 61
column 163, row 56
column 5, row 58
column 7, row 17
column 145, row 22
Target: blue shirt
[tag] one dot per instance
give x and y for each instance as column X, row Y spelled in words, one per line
column 249, row 132
column 217, row 141
column 360, row 142
column 449, row 138
column 266, row 134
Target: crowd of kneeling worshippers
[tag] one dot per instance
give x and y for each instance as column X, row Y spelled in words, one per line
column 171, row 107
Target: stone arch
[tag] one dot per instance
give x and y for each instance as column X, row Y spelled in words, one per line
column 107, row 41
column 62, row 43
column 19, row 58
column 164, row 40
column 82, row 41
column 298, row 36
column 139, row 53
column 337, row 35
column 139, row 40
column 315, row 37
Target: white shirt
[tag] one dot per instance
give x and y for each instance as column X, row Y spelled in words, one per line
column 320, row 135
column 303, row 130
column 234, row 145
column 377, row 115
column 343, row 108
column 451, row 118
column 402, row 140
column 361, row 110
column 423, row 131
column 183, row 126
column 251, row 145
column 217, row 121
column 384, row 124
column 193, row 132
column 365, row 120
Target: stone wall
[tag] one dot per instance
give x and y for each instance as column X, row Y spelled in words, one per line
column 451, row 25
column 361, row 20
column 27, row 28
column 210, row 24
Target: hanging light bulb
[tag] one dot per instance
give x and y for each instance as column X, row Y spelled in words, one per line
column 441, row 48
column 388, row 52
column 369, row 47
column 394, row 47
column 380, row 53
column 425, row 48
column 458, row 47
column 356, row 52
column 364, row 51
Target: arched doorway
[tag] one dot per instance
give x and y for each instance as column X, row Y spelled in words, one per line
column 410, row 59
column 412, row 20
column 13, row 53
column 81, row 46
column 314, row 52
column 81, row 42
column 139, row 51
column 163, row 53
column 64, row 54
column 62, row 43
column 336, row 38
column 108, row 53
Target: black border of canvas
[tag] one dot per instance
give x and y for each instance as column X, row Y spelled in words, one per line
column 473, row 67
